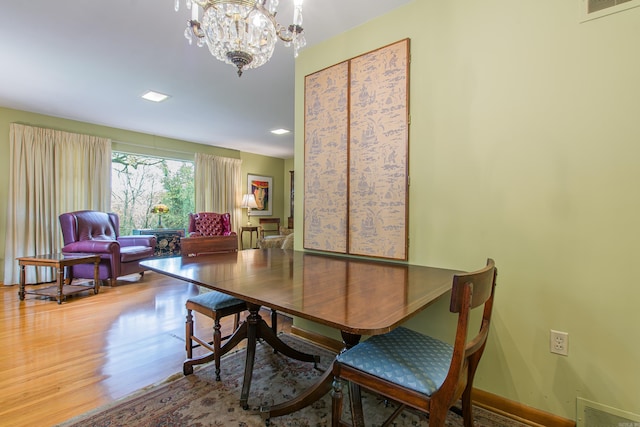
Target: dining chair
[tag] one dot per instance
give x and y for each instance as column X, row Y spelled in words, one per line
column 417, row 370
column 214, row 305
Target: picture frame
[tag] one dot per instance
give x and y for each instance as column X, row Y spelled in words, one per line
column 262, row 188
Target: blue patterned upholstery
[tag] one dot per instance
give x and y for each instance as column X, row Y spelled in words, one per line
column 405, row 357
column 215, row 300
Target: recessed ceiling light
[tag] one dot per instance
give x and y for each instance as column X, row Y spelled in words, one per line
column 154, row 96
column 280, row 131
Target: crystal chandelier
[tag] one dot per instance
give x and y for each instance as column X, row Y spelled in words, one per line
column 242, row 33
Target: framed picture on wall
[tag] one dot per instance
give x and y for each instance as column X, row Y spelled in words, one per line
column 261, row 187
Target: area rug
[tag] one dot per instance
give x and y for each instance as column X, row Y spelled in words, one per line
column 198, row 400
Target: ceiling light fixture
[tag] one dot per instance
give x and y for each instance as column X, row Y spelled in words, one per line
column 242, row 33
column 154, row 96
column 280, row 131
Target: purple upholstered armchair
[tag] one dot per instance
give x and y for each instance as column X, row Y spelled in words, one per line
column 99, row 233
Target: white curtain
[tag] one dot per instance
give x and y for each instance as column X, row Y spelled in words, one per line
column 51, row 172
column 218, row 183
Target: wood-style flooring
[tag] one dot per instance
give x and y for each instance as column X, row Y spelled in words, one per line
column 59, row 361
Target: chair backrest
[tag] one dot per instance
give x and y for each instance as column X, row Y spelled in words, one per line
column 89, row 225
column 469, row 291
column 269, row 225
column 209, row 224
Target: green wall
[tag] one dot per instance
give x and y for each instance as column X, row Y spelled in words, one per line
column 267, row 166
column 524, row 147
column 138, row 143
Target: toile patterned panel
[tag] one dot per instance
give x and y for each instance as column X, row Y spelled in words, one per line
column 325, row 153
column 356, row 155
column 378, row 153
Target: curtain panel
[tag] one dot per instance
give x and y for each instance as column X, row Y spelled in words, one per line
column 51, row 172
column 218, row 184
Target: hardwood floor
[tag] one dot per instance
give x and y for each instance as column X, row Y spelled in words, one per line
column 59, row 361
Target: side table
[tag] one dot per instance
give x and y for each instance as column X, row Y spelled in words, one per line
column 250, row 229
column 59, row 261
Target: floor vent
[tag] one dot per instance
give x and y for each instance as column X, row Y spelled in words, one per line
column 592, row 414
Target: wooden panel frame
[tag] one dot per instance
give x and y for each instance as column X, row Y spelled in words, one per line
column 357, row 155
column 378, row 152
column 326, row 163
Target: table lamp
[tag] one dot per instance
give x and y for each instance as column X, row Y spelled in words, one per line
column 248, row 202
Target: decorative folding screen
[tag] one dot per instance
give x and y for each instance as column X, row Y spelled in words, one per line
column 356, row 155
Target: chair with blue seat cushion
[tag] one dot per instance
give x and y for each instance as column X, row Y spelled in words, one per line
column 417, row 370
column 215, row 305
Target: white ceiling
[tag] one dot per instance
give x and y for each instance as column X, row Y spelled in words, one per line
column 92, row 60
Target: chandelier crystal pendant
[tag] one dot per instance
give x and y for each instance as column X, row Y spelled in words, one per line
column 242, row 33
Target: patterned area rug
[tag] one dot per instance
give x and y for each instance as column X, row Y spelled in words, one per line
column 199, row 401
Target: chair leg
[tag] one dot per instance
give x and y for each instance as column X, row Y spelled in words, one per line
column 274, row 321
column 467, row 409
column 188, row 334
column 336, row 402
column 217, row 343
column 467, row 406
column 437, row 416
column 355, row 398
column 236, row 321
column 274, row 325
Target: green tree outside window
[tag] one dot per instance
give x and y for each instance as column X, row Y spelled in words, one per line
column 138, row 183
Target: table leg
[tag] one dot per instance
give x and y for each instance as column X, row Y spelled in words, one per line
column 252, row 332
column 266, row 333
column 60, row 270
column 258, row 328
column 321, row 387
column 96, row 277
column 21, row 292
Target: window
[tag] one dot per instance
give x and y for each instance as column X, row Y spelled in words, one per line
column 138, row 183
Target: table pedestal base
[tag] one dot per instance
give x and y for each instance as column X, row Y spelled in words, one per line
column 255, row 328
column 314, row 393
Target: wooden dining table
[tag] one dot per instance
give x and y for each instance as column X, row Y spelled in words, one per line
column 356, row 296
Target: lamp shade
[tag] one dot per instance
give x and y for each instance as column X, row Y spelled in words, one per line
column 249, row 201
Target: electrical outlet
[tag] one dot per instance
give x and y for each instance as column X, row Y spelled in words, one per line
column 559, row 342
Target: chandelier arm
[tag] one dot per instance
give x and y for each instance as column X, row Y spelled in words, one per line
column 196, row 28
column 287, row 34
